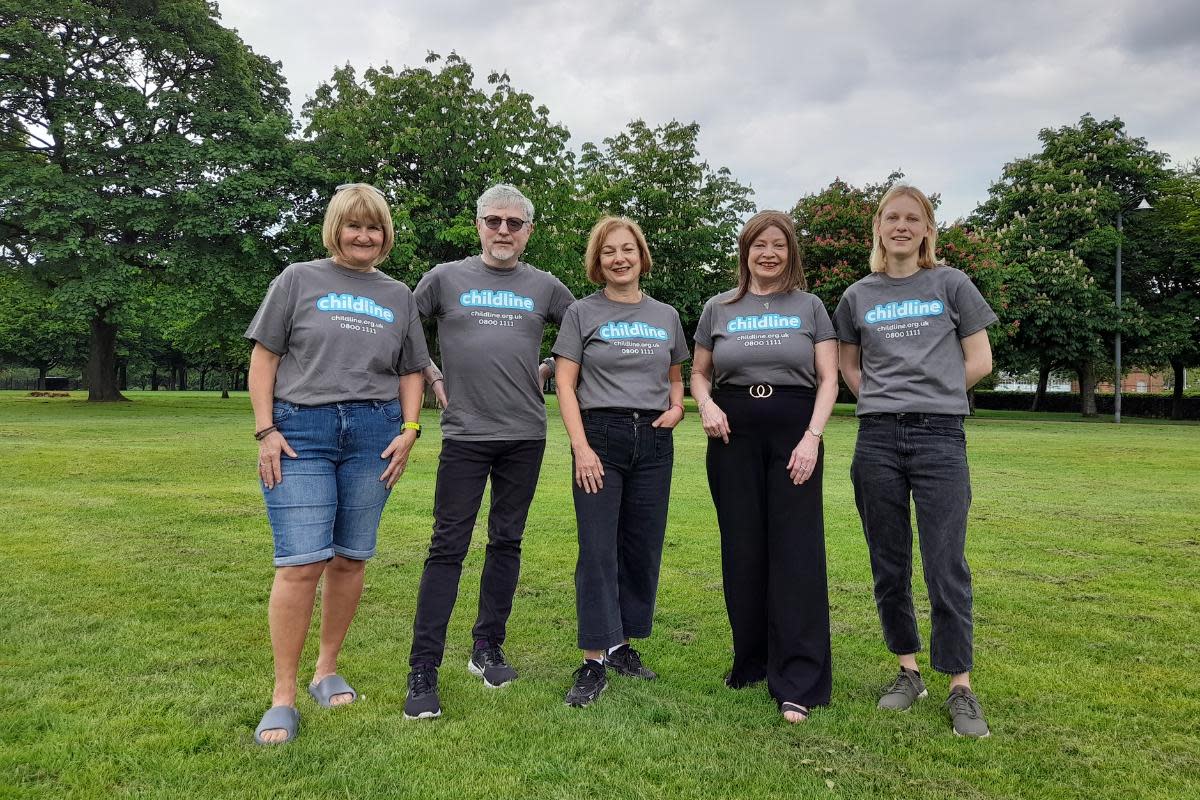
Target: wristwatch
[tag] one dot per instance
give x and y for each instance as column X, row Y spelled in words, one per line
column 411, row 426
column 816, row 433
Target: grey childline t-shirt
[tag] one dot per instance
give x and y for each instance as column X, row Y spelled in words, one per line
column 341, row 334
column 909, row 331
column 490, row 324
column 625, row 351
column 764, row 338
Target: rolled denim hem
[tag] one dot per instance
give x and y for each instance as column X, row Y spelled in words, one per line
column 955, row 671
column 601, row 641
column 638, row 633
column 353, row 555
column 323, row 554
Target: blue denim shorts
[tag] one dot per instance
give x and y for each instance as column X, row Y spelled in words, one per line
column 330, row 498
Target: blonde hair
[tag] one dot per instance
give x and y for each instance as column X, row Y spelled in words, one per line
column 600, row 232
column 361, row 202
column 756, row 226
column 927, row 253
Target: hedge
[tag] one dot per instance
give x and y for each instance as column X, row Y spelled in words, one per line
column 1132, row 404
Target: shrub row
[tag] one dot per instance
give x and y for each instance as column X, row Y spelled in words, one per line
column 1132, row 405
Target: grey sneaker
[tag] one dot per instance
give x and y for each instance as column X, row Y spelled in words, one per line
column 589, row 681
column 628, row 662
column 490, row 664
column 907, row 689
column 966, row 713
column 422, row 701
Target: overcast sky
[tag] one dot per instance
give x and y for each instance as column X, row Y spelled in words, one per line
column 790, row 95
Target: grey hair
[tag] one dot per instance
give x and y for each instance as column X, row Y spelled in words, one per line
column 502, row 195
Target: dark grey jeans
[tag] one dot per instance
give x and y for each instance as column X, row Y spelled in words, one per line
column 922, row 456
column 463, row 470
column 621, row 527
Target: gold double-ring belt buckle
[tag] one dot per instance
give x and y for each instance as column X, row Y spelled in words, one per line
column 761, row 391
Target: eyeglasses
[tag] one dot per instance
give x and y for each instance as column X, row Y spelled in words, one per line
column 514, row 224
column 341, row 186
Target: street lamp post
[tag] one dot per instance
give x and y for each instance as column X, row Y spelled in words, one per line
column 1142, row 206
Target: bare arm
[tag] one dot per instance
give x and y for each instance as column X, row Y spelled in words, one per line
column 589, row 471
column 804, row 456
column 674, row 413
column 711, row 416
column 849, row 361
column 412, row 391
column 977, row 352
column 261, row 379
column 433, row 376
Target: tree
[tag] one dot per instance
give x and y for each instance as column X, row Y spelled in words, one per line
column 1162, row 273
column 35, row 331
column 689, row 212
column 119, row 116
column 1054, row 215
column 834, row 226
column 432, row 142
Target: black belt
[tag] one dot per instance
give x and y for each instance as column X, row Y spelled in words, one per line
column 761, row 391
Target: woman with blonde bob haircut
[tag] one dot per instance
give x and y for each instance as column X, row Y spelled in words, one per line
column 765, row 380
column 336, row 385
column 913, row 341
column 363, row 202
column 620, row 392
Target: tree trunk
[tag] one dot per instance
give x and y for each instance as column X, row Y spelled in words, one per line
column 1177, row 392
column 1087, row 388
column 154, row 378
column 203, row 375
column 181, row 382
column 224, row 383
column 41, row 384
column 122, row 377
column 102, row 362
column 1039, row 397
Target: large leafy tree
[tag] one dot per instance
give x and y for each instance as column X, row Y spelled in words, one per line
column 432, row 142
column 119, row 119
column 690, row 212
column 1162, row 273
column 1054, row 215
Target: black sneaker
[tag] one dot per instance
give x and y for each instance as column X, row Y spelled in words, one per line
column 422, row 701
column 628, row 662
column 590, row 680
column 490, row 664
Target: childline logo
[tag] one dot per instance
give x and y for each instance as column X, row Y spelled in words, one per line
column 903, row 310
column 487, row 298
column 766, row 322
column 631, row 330
column 355, row 304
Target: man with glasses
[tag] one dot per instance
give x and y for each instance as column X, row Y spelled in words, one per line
column 490, row 311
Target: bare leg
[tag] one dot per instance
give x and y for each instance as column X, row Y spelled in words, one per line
column 909, row 661
column 339, row 600
column 290, row 613
column 961, row 679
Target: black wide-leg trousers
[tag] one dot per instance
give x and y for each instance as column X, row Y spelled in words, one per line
column 772, row 546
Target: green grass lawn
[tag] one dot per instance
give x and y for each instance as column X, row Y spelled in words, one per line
column 135, row 662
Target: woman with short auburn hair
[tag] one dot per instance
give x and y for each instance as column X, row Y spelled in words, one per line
column 620, row 392
column 913, row 341
column 336, row 386
column 765, row 380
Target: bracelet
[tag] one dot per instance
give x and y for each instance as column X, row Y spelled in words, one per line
column 700, row 405
column 260, row 435
column 435, row 380
column 677, row 405
column 816, row 433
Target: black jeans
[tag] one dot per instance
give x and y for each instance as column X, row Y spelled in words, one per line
column 621, row 527
column 772, row 546
column 463, row 470
column 923, row 456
